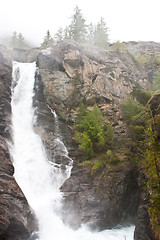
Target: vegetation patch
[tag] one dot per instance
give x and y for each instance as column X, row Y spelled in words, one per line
column 144, row 128
column 142, row 95
column 101, row 161
column 90, row 132
column 151, row 166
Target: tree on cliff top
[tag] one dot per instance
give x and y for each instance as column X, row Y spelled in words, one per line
column 48, row 40
column 77, row 28
column 101, row 34
column 79, row 31
column 17, row 41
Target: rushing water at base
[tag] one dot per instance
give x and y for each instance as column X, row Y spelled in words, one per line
column 39, row 179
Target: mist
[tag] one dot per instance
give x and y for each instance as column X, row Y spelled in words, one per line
column 126, row 21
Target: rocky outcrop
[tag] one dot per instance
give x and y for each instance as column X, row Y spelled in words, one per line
column 83, row 73
column 148, row 54
column 16, row 219
column 79, row 71
column 143, row 47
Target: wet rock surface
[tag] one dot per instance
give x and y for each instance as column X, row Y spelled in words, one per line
column 103, row 201
column 16, row 219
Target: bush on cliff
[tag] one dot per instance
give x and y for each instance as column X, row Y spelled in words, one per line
column 136, row 116
column 90, row 132
column 141, row 95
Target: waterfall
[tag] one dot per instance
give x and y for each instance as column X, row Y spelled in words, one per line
column 38, row 178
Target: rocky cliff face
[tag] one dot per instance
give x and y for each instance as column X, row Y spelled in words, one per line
column 15, row 215
column 96, row 76
column 71, row 73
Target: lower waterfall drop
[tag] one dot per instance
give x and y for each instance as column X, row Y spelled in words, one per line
column 40, row 180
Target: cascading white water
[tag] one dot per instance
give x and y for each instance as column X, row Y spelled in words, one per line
column 39, row 179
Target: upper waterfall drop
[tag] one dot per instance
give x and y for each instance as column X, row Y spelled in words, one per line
column 38, row 178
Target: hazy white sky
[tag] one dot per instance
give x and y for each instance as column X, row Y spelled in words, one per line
column 126, row 19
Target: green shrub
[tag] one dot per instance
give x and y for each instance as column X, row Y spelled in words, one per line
column 136, row 116
column 90, row 132
column 108, row 133
column 142, row 95
column 85, row 143
column 97, row 166
column 103, row 160
column 111, row 158
column 137, row 132
column 132, row 110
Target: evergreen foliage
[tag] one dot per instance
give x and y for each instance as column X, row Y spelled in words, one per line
column 132, row 111
column 101, row 34
column 79, row 31
column 135, row 116
column 90, row 33
column 90, row 133
column 142, row 95
column 14, row 40
column 17, row 41
column 77, row 28
column 48, row 40
column 67, row 34
column 59, row 35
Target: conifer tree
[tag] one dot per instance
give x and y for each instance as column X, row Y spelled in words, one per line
column 67, row 33
column 13, row 40
column 90, row 34
column 59, row 34
column 77, row 27
column 21, row 42
column 48, row 40
column 101, row 34
column 17, row 41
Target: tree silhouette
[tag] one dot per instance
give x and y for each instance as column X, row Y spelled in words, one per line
column 101, row 34
column 48, row 40
column 17, row 41
column 77, row 28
